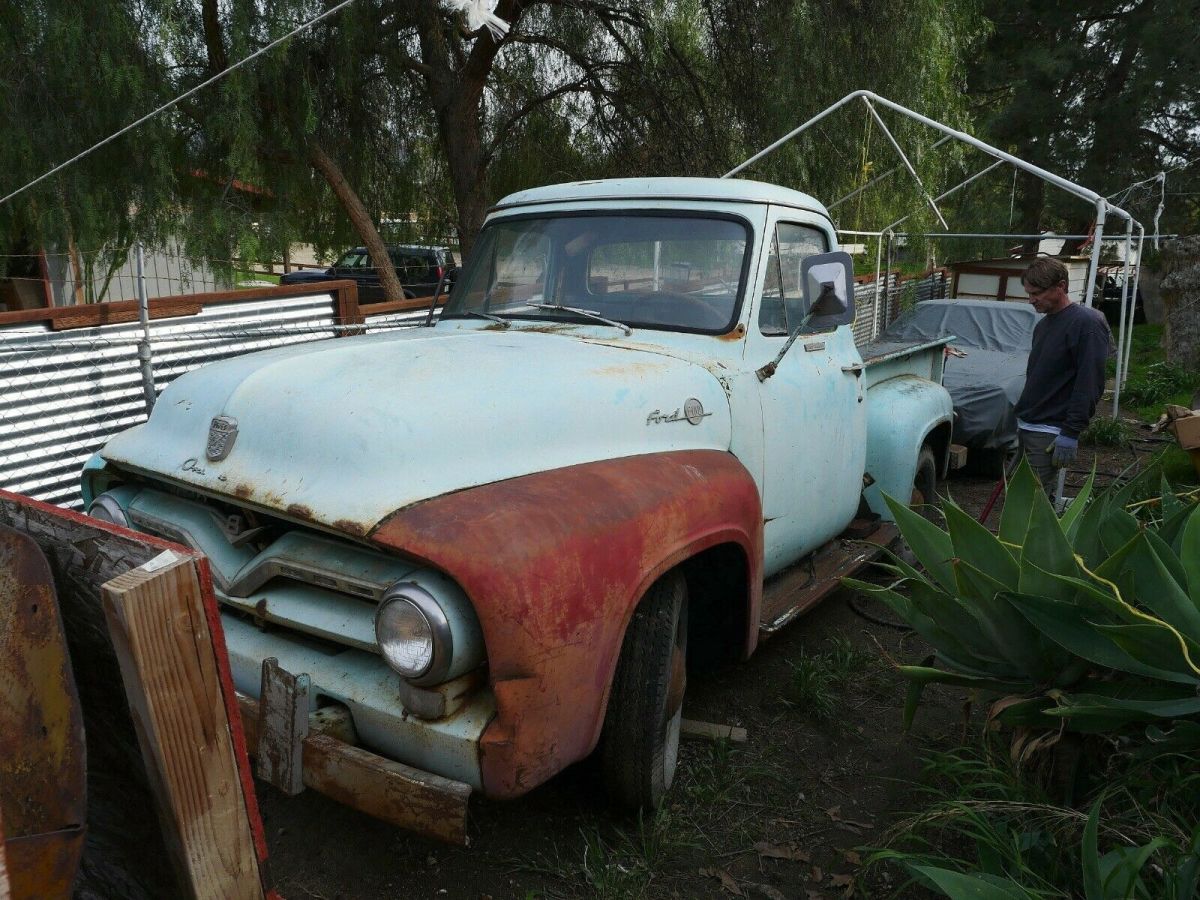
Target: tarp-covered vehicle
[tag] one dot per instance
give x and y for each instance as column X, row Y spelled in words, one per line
column 986, row 382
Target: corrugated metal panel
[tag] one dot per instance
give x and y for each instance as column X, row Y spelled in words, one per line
column 64, row 394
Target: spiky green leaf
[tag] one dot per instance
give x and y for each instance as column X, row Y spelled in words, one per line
column 1064, row 624
column 979, row 547
column 958, row 886
column 930, row 545
column 1018, row 502
column 1071, row 517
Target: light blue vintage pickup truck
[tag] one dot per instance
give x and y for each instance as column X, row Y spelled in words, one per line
column 639, row 437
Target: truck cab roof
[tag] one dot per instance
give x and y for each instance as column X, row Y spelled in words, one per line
column 729, row 190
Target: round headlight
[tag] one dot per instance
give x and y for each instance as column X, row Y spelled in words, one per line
column 405, row 636
column 107, row 509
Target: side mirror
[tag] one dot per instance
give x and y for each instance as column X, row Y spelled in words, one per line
column 828, row 284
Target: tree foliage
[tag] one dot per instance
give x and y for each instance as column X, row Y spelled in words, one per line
column 1106, row 93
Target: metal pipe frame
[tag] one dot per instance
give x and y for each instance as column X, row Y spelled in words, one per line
column 945, row 194
column 1049, row 177
column 888, row 174
column 1103, row 207
column 1120, row 374
column 1137, row 274
column 911, row 171
column 979, row 234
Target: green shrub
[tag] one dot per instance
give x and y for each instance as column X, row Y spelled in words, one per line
column 1157, row 384
column 1087, row 623
column 1106, row 432
column 1083, row 630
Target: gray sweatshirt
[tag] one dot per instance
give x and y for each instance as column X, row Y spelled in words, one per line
column 1065, row 374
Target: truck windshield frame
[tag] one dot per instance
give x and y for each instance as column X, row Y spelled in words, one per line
column 663, row 270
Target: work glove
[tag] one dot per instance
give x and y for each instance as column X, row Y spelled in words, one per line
column 1063, row 452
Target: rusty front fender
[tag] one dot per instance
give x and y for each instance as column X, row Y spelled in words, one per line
column 555, row 564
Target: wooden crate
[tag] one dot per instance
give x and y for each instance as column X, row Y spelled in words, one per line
column 171, row 805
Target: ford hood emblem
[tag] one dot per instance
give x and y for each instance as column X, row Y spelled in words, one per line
column 221, row 435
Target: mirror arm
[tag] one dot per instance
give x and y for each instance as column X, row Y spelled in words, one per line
column 768, row 370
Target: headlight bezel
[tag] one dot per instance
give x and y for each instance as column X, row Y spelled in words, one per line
column 441, row 635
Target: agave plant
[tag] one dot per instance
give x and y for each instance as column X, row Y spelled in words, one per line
column 1087, row 622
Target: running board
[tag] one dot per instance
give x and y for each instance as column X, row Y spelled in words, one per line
column 801, row 586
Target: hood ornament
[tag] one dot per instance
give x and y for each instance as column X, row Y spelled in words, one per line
column 221, row 435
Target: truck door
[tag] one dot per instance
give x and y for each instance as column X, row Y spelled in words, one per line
column 814, row 418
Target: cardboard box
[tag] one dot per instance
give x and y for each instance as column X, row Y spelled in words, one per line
column 1187, row 431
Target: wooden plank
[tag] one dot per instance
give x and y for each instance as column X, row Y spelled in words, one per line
column 345, row 302
column 398, row 794
column 710, row 731
column 162, row 640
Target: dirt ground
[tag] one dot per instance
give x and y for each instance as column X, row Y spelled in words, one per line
column 787, row 814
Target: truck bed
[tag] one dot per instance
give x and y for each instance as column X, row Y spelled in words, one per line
column 888, row 359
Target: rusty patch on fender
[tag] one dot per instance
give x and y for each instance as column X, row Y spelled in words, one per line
column 554, row 564
column 358, row 529
column 244, row 491
column 42, row 788
column 300, row 511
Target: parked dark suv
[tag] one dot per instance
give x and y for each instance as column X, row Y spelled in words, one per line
column 418, row 268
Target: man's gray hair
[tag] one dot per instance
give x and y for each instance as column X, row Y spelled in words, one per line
column 1045, row 272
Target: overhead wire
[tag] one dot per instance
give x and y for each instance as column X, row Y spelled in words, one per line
column 150, row 115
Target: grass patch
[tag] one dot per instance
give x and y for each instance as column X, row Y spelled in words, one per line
column 1106, row 432
column 1153, row 382
column 621, row 862
column 819, row 679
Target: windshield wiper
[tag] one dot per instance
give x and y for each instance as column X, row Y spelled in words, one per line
column 583, row 312
column 482, row 315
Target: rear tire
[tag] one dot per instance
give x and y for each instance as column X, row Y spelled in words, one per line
column 645, row 707
column 924, row 489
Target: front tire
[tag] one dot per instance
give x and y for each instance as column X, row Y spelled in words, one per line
column 640, row 746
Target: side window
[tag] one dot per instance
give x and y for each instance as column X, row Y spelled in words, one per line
column 782, row 288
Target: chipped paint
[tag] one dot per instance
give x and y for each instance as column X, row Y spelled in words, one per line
column 554, row 564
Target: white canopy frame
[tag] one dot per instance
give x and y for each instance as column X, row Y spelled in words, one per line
column 1102, row 206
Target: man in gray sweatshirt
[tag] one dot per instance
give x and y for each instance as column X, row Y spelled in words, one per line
column 1064, row 377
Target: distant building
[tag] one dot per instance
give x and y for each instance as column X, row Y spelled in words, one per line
column 1000, row 279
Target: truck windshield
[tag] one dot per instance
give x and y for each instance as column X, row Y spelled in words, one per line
column 670, row 272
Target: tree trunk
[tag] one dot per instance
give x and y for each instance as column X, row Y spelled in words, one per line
column 360, row 219
column 464, row 156
column 1181, row 297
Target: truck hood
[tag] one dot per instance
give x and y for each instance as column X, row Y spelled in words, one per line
column 344, row 432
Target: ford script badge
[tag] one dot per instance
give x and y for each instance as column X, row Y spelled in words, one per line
column 221, row 434
column 693, row 412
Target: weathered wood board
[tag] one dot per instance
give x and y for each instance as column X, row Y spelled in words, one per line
column 164, row 646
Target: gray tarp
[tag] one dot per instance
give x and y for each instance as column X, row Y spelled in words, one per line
column 985, row 384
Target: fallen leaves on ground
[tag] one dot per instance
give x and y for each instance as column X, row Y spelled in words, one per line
column 781, row 851
column 727, row 881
